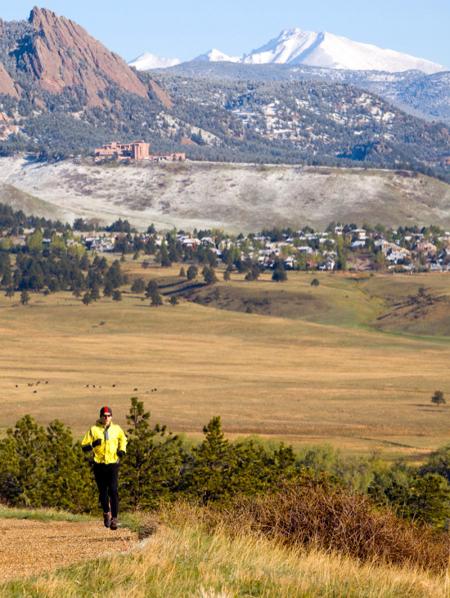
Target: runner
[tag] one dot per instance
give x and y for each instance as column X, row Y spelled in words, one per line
column 108, row 443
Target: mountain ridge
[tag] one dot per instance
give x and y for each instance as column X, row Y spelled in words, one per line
column 323, row 49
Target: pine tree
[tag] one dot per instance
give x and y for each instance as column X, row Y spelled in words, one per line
column 208, row 476
column 209, row 275
column 152, row 466
column 192, row 272
column 156, row 300
column 23, row 451
column 138, row 285
column 68, row 482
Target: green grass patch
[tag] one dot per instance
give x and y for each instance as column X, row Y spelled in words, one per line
column 41, row 515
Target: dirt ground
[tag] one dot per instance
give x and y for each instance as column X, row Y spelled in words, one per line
column 29, row 547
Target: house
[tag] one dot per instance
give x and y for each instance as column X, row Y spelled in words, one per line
column 289, row 263
column 426, row 247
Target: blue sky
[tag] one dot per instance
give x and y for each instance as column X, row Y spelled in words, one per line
column 184, row 29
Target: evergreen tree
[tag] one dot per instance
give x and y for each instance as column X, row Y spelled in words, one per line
column 209, row 275
column 152, row 288
column 108, row 289
column 279, row 273
column 192, row 272
column 164, row 258
column 208, row 475
column 68, row 483
column 156, row 299
column 152, row 466
column 138, row 285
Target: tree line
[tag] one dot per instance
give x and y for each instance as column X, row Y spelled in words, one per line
column 45, row 467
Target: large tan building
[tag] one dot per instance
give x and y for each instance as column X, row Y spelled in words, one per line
column 137, row 150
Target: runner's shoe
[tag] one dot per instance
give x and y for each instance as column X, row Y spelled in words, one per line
column 107, row 519
column 113, row 524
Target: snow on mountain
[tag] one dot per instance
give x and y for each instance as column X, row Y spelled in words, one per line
column 148, row 61
column 294, row 46
column 215, row 55
column 297, row 47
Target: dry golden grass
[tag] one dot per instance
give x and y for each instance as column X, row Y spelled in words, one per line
column 304, row 382
column 182, row 560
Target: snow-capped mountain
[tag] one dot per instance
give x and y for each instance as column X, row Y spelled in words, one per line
column 294, row 46
column 297, row 47
column 147, row 61
column 215, row 55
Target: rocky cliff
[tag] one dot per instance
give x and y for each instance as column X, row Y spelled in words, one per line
column 60, row 54
column 7, row 86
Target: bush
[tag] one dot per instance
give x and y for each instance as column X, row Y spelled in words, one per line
column 438, row 398
column 320, row 516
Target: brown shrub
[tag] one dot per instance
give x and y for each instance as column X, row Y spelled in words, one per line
column 316, row 515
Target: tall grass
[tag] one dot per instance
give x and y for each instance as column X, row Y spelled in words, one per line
column 183, row 560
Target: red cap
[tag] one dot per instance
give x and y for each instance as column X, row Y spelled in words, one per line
column 105, row 411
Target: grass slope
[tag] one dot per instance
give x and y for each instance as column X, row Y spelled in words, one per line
column 20, row 200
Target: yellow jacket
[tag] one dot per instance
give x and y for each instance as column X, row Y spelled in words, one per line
column 112, row 439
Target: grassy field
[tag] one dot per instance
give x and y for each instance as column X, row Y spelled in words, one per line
column 314, row 365
column 183, row 559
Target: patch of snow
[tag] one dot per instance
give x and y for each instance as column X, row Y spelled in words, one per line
column 148, row 61
column 215, row 55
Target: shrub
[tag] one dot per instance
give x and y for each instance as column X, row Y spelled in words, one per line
column 438, row 398
column 317, row 515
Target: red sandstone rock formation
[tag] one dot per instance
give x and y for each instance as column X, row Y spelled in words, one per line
column 161, row 94
column 63, row 54
column 6, row 83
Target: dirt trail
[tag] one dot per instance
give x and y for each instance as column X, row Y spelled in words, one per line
column 29, row 547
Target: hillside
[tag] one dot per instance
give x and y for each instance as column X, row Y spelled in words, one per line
column 236, row 197
column 426, row 96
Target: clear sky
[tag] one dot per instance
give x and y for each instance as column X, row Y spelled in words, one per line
column 186, row 28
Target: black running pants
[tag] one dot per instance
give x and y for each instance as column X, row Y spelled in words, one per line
column 107, row 479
